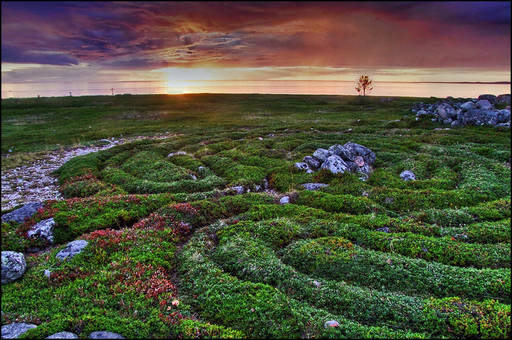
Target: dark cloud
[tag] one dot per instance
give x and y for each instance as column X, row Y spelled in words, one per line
column 157, row 34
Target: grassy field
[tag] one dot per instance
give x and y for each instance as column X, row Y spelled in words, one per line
column 171, row 253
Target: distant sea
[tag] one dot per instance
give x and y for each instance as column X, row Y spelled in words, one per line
column 404, row 89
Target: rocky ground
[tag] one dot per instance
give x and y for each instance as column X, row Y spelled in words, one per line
column 34, row 183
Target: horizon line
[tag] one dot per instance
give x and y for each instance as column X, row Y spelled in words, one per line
column 272, row 80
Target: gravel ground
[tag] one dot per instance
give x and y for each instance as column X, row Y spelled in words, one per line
column 34, row 183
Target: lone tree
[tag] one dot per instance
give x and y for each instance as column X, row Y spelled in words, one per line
column 364, row 84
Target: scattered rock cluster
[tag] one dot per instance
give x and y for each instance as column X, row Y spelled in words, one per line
column 460, row 112
column 350, row 157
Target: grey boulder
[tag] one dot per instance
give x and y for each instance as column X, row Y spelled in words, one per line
column 335, row 165
column 72, row 248
column 20, row 214
column 13, row 266
column 312, row 162
column 105, row 335
column 503, row 99
column 445, row 111
column 321, row 154
column 43, row 229
column 63, row 335
column 408, row 175
column 503, row 116
column 468, row 106
column 302, row 166
column 15, row 329
column 360, row 150
column 489, row 97
column 484, row 104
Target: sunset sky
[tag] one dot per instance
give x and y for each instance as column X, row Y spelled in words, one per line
column 177, row 43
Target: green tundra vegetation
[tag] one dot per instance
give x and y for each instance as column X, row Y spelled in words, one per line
column 174, row 253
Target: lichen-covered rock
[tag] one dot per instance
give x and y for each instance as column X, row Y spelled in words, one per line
column 72, row 248
column 105, row 335
column 335, row 165
column 321, row 154
column 15, row 329
column 20, row 214
column 360, row 150
column 43, row 229
column 314, row 186
column 312, row 162
column 63, row 335
column 13, row 266
column 408, row 175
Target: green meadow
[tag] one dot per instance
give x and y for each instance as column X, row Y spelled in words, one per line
column 174, row 253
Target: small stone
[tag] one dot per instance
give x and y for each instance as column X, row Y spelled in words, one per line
column 63, row 335
column 331, row 323
column 105, row 335
column 407, row 175
column 72, row 248
column 316, row 284
column 260, row 138
column 284, row 200
column 13, row 266
column 238, row 189
column 314, row 186
column 383, row 230
column 15, row 329
column 177, row 153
